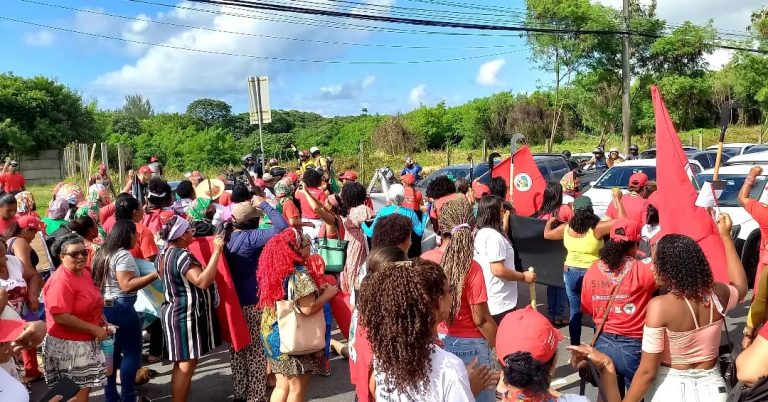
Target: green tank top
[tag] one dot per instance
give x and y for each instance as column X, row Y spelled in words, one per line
column 582, row 251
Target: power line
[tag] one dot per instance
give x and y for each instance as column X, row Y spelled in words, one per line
column 351, row 62
column 324, row 42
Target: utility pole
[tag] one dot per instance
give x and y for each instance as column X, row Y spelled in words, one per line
column 625, row 111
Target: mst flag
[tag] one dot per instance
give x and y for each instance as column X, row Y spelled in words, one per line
column 527, row 184
column 678, row 212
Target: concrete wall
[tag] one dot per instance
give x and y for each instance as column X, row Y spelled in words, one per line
column 44, row 168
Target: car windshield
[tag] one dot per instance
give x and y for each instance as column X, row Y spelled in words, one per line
column 454, row 172
column 618, row 176
column 757, row 148
column 733, row 183
column 733, row 151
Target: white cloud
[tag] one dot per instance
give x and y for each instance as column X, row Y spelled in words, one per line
column 718, row 58
column 175, row 76
column 348, row 91
column 39, row 38
column 418, row 94
column 489, row 73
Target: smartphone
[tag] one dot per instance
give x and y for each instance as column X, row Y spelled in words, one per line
column 65, row 387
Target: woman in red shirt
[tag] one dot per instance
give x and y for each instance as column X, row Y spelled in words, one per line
column 469, row 330
column 631, row 283
column 75, row 321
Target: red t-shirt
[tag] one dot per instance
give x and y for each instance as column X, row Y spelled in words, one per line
column 435, row 212
column 5, row 223
column 627, row 315
column 413, row 199
column 155, row 219
column 635, row 207
column 105, row 213
column 564, row 214
column 12, row 182
column 306, row 209
column 225, row 198
column 145, row 247
column 66, row 292
column 289, row 210
column 474, row 293
column 759, row 211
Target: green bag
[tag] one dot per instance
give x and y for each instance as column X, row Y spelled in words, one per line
column 334, row 253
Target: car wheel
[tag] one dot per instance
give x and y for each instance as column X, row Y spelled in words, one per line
column 750, row 255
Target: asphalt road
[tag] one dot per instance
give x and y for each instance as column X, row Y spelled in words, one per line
column 212, row 381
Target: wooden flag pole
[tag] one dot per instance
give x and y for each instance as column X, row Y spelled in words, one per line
column 532, row 288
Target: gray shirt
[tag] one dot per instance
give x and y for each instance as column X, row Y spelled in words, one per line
column 121, row 261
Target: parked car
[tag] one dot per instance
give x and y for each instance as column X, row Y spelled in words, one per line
column 618, row 177
column 745, row 232
column 759, row 158
column 735, row 148
column 756, row 149
column 650, row 153
column 707, row 158
column 457, row 171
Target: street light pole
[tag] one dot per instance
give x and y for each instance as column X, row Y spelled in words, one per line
column 625, row 103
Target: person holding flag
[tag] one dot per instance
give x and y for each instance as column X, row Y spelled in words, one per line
column 634, row 204
column 759, row 212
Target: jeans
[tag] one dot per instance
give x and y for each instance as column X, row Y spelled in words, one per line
column 625, row 353
column 469, row 349
column 127, row 355
column 573, row 278
column 556, row 299
column 687, row 386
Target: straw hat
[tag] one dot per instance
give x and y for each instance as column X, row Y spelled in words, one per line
column 211, row 188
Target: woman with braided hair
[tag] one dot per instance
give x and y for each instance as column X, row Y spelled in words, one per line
column 281, row 261
column 469, row 329
column 400, row 306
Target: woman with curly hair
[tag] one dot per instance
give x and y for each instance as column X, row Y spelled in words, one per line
column 583, row 238
column 282, row 264
column 681, row 336
column 617, row 290
column 401, row 306
column 469, row 330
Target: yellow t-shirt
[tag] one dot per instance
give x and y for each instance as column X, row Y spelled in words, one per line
column 582, row 251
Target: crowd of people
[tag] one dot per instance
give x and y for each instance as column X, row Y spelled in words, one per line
column 442, row 324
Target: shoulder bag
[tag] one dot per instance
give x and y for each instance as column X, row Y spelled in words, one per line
column 300, row 334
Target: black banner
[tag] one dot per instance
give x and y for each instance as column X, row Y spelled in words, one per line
column 545, row 256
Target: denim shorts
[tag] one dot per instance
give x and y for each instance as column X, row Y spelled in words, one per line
column 469, row 349
column 688, row 386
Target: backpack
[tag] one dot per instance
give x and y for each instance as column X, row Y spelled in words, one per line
column 755, row 393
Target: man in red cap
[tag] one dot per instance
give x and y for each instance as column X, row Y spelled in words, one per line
column 634, row 204
column 349, row 175
column 11, row 180
column 136, row 185
column 155, row 166
column 413, row 199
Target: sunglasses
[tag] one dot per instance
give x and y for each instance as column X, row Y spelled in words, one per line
column 76, row 254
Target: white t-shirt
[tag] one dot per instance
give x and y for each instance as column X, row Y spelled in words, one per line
column 121, row 261
column 492, row 246
column 448, row 382
column 11, row 389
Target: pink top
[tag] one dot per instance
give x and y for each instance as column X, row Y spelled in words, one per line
column 690, row 347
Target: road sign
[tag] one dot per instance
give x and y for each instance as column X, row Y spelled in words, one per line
column 258, row 94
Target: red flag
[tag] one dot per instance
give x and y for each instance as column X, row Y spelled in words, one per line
column 340, row 307
column 678, row 212
column 527, row 184
column 231, row 321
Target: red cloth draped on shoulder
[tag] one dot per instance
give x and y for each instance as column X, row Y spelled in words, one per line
column 678, row 212
column 231, row 321
column 340, row 307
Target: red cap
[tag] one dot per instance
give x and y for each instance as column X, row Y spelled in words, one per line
column 348, row 175
column 145, row 170
column 480, row 189
column 408, row 178
column 625, row 230
column 259, row 183
column 638, row 179
column 153, row 159
column 11, row 329
column 30, row 222
column 526, row 330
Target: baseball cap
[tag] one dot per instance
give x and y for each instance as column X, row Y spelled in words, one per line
column 145, row 169
column 153, row 159
column 11, row 329
column 480, row 190
column 625, row 230
column 526, row 330
column 582, row 203
column 293, row 177
column 408, row 178
column 638, row 179
column 633, row 146
column 314, row 149
column 408, row 160
column 349, row 175
column 244, row 211
column 614, row 150
column 30, row 222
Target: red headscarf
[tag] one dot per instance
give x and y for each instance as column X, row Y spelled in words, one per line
column 278, row 260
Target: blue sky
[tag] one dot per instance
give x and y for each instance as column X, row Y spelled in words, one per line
column 107, row 70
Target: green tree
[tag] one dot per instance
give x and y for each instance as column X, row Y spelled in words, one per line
column 210, row 112
column 137, row 107
column 126, row 124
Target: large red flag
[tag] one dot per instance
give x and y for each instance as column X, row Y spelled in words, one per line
column 502, row 169
column 231, row 321
column 527, row 184
column 677, row 197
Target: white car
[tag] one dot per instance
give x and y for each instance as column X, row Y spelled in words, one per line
column 618, row 177
column 734, row 148
column 745, row 232
column 760, row 158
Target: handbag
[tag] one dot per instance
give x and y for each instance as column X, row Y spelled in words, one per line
column 300, row 334
column 728, row 361
column 334, row 253
column 589, row 374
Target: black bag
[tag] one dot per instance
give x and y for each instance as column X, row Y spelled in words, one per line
column 728, row 361
column 756, row 393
